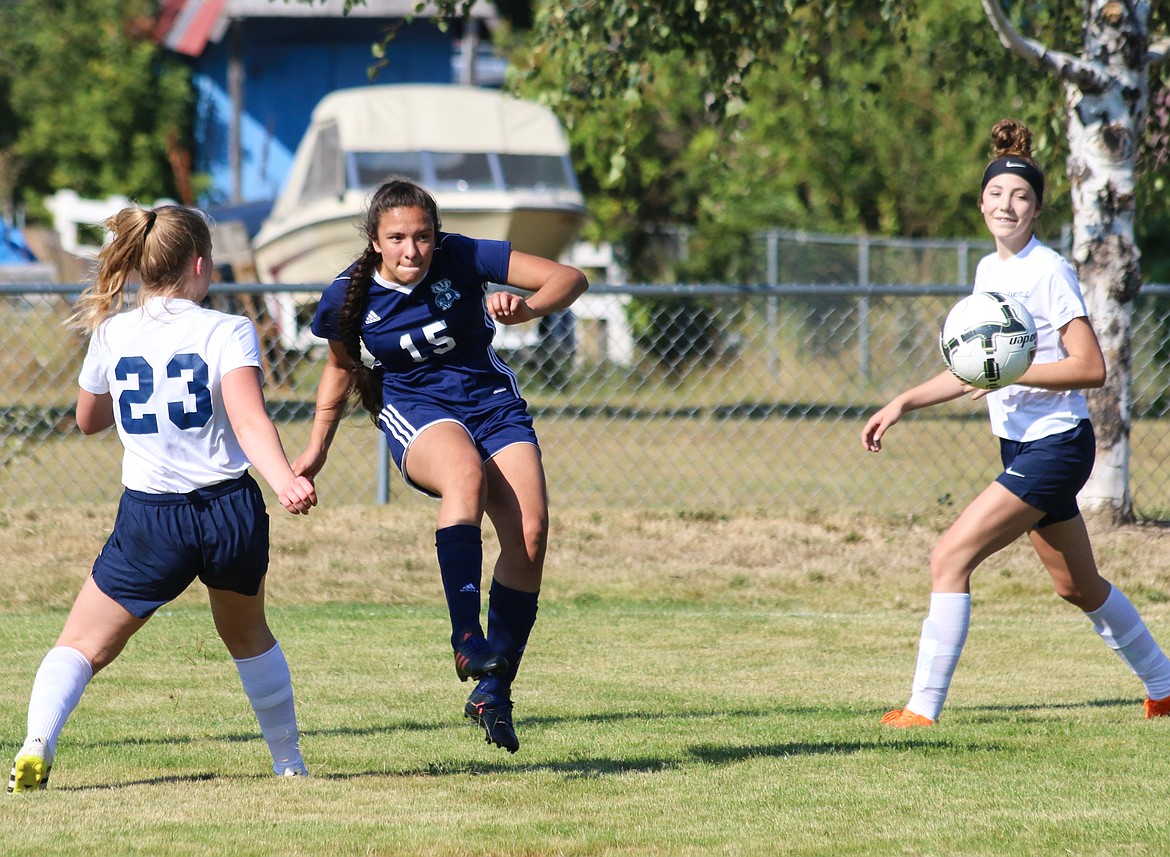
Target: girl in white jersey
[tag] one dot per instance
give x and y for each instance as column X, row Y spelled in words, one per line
column 182, row 385
column 1046, row 445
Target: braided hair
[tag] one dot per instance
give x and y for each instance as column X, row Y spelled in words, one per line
column 365, row 385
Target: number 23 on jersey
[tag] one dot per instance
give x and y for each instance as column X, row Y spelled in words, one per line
column 147, row 422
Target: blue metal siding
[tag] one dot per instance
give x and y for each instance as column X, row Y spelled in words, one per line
column 289, row 66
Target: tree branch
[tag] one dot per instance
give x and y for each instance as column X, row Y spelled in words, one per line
column 1087, row 76
column 1156, row 53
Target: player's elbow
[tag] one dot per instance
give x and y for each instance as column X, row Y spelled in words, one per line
column 1097, row 375
column 578, row 285
column 89, row 426
column 93, row 413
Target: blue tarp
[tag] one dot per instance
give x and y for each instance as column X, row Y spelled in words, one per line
column 13, row 250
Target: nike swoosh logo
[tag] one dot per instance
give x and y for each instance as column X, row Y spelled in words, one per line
column 1011, row 472
column 1014, row 165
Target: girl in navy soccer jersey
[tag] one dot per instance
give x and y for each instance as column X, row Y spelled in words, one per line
column 1046, row 446
column 182, row 385
column 451, row 413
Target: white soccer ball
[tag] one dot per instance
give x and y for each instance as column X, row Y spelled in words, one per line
column 988, row 340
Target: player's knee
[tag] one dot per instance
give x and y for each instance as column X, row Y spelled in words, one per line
column 1087, row 598
column 536, row 539
column 949, row 572
column 247, row 640
column 465, row 476
column 526, row 549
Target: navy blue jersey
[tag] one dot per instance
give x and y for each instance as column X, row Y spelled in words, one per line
column 433, row 339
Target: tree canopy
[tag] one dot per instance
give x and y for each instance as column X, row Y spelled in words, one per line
column 91, row 102
column 718, row 118
column 845, row 116
column 889, row 140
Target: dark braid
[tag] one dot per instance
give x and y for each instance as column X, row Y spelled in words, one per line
column 365, row 386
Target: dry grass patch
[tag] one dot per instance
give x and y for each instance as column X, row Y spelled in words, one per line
column 385, row 555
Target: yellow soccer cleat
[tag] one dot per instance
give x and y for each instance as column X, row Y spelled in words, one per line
column 29, row 772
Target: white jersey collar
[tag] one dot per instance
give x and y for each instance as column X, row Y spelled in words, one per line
column 387, row 284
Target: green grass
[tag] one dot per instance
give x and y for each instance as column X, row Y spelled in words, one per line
column 690, row 727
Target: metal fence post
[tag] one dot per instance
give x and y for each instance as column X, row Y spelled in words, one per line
column 773, row 247
column 383, row 471
column 863, row 304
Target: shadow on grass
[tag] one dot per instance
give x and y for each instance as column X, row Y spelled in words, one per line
column 1129, row 708
column 597, row 767
column 592, row 767
column 882, row 740
column 979, row 712
column 148, row 781
column 390, row 727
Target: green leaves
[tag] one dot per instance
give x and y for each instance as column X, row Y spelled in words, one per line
column 98, row 107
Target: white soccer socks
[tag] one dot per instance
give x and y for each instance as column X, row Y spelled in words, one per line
column 943, row 634
column 57, row 688
column 1119, row 625
column 268, row 684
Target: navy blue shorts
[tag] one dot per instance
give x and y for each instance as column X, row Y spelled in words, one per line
column 490, row 429
column 162, row 542
column 1047, row 473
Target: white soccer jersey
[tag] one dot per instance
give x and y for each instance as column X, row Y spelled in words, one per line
column 163, row 363
column 1046, row 284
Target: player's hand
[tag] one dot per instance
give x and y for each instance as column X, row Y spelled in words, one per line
column 298, row 496
column 978, row 392
column 308, row 464
column 876, row 426
column 508, row 308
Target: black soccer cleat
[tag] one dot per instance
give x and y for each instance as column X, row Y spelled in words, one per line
column 494, row 714
column 474, row 658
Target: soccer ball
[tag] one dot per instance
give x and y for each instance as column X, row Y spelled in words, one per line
column 988, row 340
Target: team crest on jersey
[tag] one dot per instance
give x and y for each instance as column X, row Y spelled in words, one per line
column 445, row 296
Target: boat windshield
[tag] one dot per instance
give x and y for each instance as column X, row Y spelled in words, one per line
column 462, row 170
column 370, row 169
column 542, row 172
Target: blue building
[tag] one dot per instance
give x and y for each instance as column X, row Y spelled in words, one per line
column 260, row 66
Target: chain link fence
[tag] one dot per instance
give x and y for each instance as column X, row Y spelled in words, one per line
column 695, row 398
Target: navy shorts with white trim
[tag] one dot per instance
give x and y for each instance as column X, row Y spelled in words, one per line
column 1047, row 473
column 491, row 429
column 162, row 542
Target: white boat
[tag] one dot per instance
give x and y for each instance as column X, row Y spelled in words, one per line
column 497, row 166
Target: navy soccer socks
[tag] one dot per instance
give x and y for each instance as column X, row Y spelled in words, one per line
column 460, row 550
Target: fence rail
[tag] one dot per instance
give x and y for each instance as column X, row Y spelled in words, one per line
column 691, row 397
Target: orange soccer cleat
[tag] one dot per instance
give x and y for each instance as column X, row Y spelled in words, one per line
column 904, row 718
column 1157, row 707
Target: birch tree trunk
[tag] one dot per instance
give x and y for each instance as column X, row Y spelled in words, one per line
column 1106, row 96
column 1104, row 129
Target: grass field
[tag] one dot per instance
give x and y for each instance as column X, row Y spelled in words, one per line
column 698, row 683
